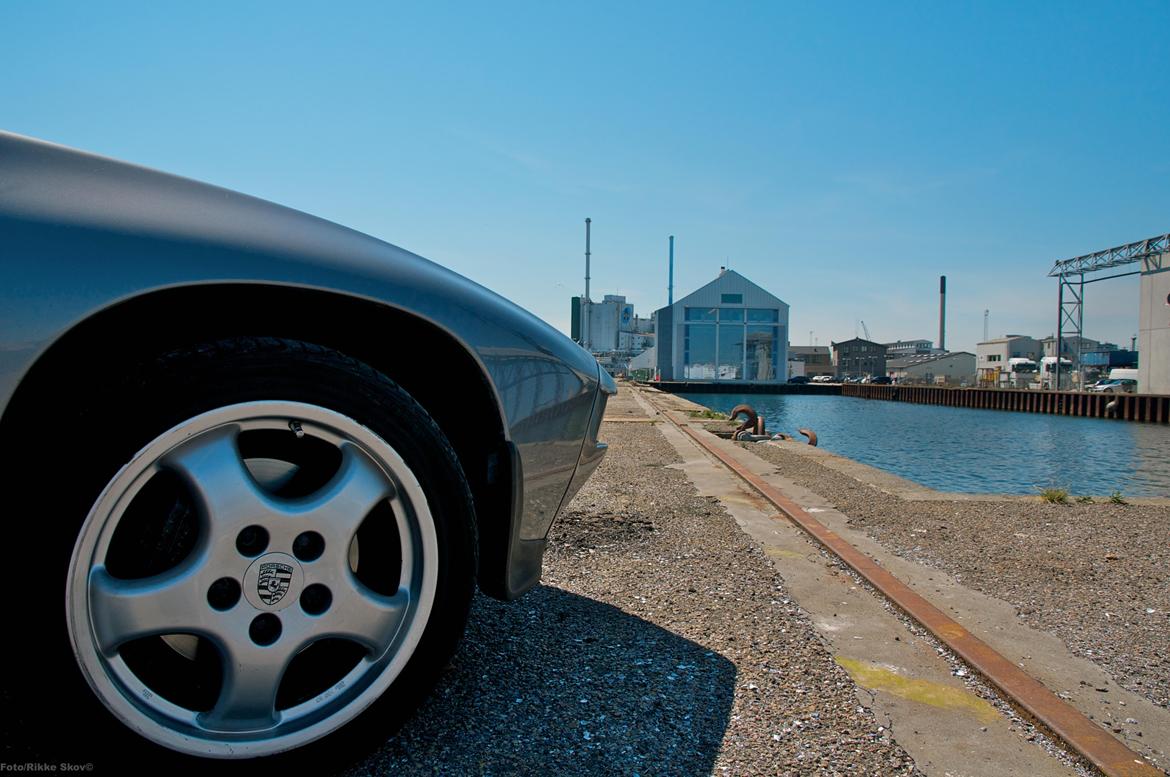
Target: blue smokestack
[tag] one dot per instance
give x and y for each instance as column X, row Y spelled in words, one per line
column 670, row 279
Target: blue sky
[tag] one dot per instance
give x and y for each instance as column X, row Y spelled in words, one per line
column 842, row 155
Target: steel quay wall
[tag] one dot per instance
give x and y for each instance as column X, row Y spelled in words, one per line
column 1150, row 408
column 724, row 387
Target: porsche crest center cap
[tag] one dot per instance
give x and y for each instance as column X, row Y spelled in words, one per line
column 273, row 582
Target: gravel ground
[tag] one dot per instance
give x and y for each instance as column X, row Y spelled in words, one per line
column 1096, row 575
column 660, row 642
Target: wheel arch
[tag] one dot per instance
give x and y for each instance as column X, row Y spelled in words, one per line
column 403, row 346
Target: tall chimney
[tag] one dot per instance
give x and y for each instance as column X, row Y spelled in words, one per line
column 942, row 312
column 670, row 277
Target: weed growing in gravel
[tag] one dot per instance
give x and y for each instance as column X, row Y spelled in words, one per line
column 1085, row 500
column 1056, row 496
column 706, row 414
column 1117, row 499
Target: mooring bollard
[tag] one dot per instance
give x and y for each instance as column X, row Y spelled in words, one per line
column 750, row 418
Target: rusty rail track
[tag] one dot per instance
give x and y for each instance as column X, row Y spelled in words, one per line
column 1080, row 734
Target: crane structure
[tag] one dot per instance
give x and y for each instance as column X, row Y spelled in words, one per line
column 1151, row 252
column 865, row 329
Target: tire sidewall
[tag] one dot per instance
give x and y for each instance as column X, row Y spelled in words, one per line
column 166, row 392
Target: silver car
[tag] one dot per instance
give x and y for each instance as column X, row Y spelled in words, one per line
column 256, row 464
column 1114, row 386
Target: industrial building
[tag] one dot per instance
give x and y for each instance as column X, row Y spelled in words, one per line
column 729, row 330
column 858, row 358
column 994, row 360
column 904, row 349
column 1097, row 364
column 945, row 369
column 612, row 326
column 817, row 359
column 614, row 333
column 1018, row 361
column 1072, row 346
column 1089, row 359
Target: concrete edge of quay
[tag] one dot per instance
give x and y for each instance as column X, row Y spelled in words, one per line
column 1033, row 698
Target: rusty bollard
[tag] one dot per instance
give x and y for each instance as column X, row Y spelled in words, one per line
column 750, row 418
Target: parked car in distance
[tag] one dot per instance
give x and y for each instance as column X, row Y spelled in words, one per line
column 270, row 460
column 823, row 379
column 1114, row 386
column 882, row 380
column 798, row 379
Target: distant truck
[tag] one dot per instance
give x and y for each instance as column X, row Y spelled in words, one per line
column 1048, row 372
column 1019, row 365
column 1020, row 372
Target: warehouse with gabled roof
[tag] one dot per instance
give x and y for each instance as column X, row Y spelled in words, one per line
column 729, row 330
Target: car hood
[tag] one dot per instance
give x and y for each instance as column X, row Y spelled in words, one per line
column 256, row 241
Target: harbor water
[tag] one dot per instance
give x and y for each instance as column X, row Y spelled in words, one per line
column 974, row 451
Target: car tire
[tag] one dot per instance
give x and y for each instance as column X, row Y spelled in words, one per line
column 267, row 550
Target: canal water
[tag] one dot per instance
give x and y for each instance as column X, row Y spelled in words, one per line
column 974, row 451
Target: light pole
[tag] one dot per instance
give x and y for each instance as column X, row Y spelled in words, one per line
column 585, row 333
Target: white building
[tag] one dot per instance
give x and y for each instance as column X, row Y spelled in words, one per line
column 729, row 330
column 956, row 368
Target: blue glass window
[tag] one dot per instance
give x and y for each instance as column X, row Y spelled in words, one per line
column 762, row 352
column 730, row 353
column 699, row 352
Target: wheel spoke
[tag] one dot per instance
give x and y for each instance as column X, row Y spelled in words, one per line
column 168, row 603
column 364, row 616
column 225, row 491
column 251, row 678
column 340, row 506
